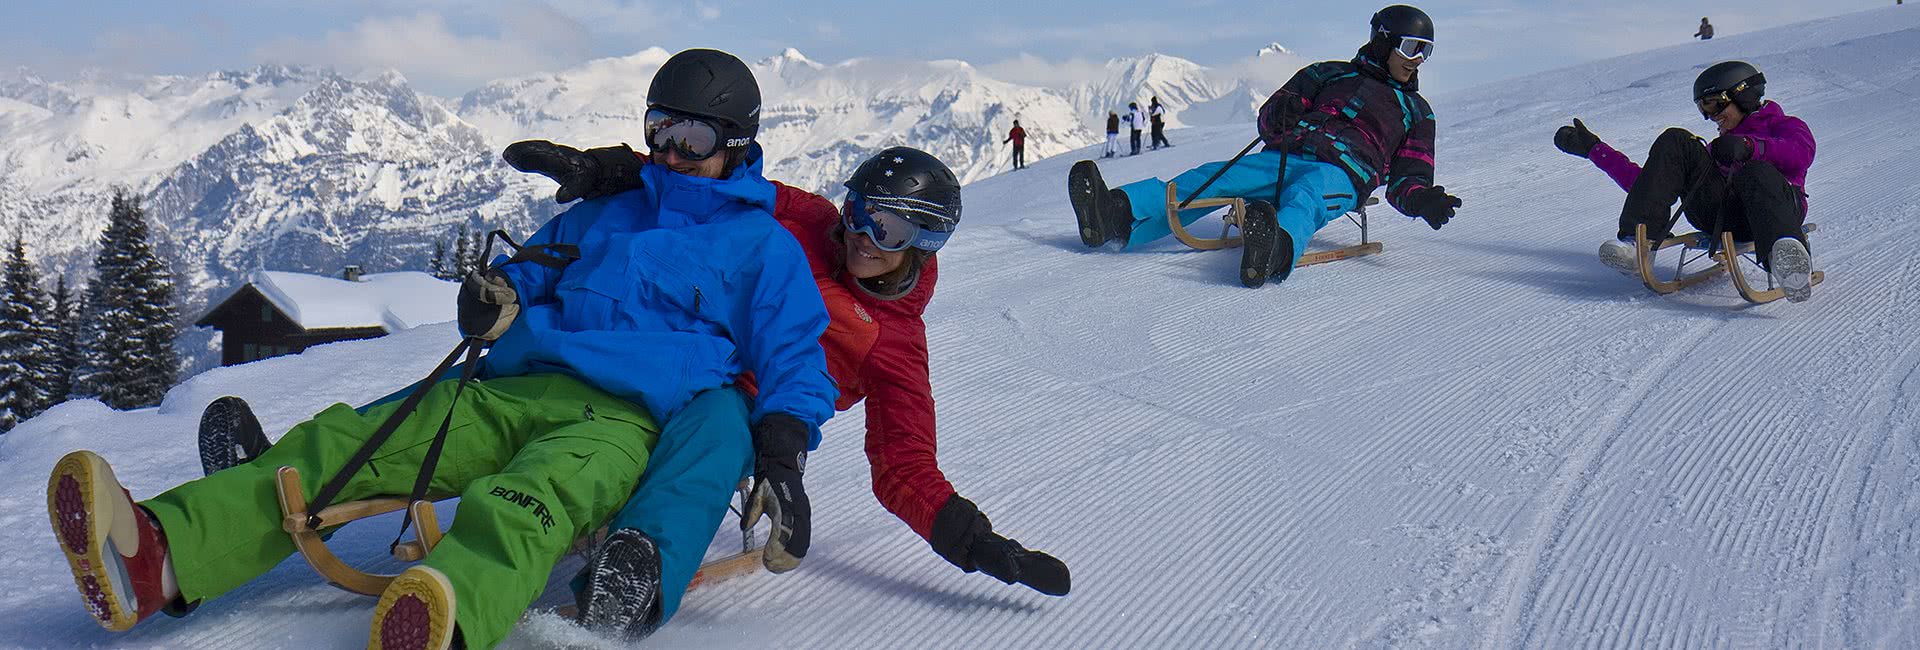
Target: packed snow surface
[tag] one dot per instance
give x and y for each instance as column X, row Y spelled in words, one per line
column 1480, row 438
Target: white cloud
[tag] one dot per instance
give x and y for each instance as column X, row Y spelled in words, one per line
column 1035, row 71
column 435, row 57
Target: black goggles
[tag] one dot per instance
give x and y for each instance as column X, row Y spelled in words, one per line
column 1414, row 48
column 690, row 137
column 1711, row 105
column 884, row 224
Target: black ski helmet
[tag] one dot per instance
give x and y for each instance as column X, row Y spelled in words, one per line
column 1398, row 21
column 1739, row 80
column 711, row 84
column 913, row 184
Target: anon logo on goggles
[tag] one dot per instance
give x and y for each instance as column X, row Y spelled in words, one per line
column 882, row 219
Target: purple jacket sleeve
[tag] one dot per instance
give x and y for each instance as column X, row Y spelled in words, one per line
column 1788, row 145
column 1617, row 165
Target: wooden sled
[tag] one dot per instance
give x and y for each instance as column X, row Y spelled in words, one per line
column 1697, row 241
column 1230, row 237
column 307, row 538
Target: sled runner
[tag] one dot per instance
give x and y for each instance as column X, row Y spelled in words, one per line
column 1698, row 241
column 1747, row 291
column 307, row 537
column 1230, row 230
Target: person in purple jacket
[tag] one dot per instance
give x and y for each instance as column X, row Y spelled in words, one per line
column 1750, row 180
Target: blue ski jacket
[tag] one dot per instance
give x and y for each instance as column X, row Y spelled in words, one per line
column 681, row 285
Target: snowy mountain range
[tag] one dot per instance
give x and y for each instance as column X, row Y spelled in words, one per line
column 305, row 169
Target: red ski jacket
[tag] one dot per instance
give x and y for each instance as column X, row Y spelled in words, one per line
column 877, row 352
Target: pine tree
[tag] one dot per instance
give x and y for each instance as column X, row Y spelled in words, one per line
column 64, row 339
column 438, row 264
column 477, row 243
column 130, row 306
column 24, row 352
column 462, row 253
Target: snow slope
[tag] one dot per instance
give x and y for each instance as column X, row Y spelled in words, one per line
column 1480, row 438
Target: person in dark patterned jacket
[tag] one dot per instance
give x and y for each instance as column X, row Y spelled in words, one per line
column 1342, row 128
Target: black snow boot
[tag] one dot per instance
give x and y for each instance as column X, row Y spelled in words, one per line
column 620, row 594
column 965, row 538
column 1268, row 249
column 1104, row 214
column 229, row 435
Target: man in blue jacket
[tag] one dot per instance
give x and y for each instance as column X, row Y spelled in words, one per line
column 678, row 286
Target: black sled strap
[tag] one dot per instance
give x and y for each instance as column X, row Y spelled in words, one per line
column 432, row 458
column 328, row 492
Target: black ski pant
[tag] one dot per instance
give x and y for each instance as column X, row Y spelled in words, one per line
column 1160, row 136
column 1136, row 141
column 1755, row 203
column 1019, row 156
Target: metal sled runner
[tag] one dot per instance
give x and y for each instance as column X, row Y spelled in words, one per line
column 1230, row 230
column 1694, row 247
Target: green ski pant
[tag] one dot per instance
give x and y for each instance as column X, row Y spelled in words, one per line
column 538, row 461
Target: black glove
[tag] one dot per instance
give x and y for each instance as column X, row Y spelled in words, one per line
column 1431, row 203
column 1576, row 139
column 965, row 538
column 1731, row 149
column 780, row 456
column 590, row 174
column 487, row 304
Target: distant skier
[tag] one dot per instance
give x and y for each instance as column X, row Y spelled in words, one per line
column 1705, row 32
column 592, row 347
column 1136, row 122
column 1750, row 180
column 1113, row 134
column 1157, row 113
column 1341, row 127
column 1018, row 136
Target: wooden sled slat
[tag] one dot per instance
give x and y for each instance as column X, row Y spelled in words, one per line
column 1747, row 291
column 1226, row 239
column 728, row 567
column 1322, row 257
column 1232, row 224
column 1644, row 255
column 293, row 504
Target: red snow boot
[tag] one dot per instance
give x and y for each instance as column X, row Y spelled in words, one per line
column 415, row 613
column 116, row 550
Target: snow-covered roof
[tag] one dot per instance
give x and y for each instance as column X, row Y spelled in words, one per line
column 391, row 301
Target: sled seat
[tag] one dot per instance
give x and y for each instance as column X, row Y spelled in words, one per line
column 1232, row 226
column 307, row 536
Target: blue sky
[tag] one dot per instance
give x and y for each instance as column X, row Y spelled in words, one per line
column 447, row 47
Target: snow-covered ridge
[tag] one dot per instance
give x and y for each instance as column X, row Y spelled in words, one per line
column 304, row 169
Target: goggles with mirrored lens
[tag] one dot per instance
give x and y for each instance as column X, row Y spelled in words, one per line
column 1711, row 105
column 889, row 230
column 690, row 137
column 1415, row 48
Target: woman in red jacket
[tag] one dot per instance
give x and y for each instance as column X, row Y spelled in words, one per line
column 874, row 263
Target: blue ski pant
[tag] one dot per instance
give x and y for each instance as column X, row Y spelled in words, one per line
column 703, row 453
column 1316, row 193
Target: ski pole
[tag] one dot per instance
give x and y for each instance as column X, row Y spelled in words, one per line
column 1216, row 175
